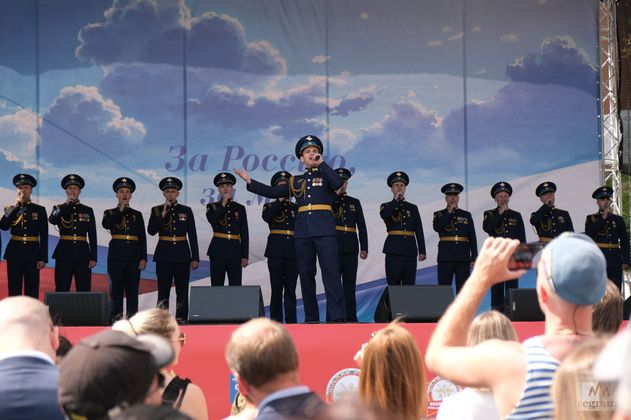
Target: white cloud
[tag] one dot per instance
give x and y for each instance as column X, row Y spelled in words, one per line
column 342, row 139
column 434, row 43
column 456, row 37
column 509, row 38
column 19, row 128
column 542, row 2
column 25, row 164
column 446, row 29
column 150, row 174
column 364, row 16
column 481, row 72
column 476, row 29
column 320, row 59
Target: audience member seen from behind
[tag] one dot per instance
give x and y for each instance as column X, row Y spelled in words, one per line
column 571, row 279
column 577, row 395
column 151, row 412
column 28, row 375
column 178, row 393
column 614, row 364
column 392, row 377
column 478, row 403
column 607, row 316
column 263, row 358
column 110, row 371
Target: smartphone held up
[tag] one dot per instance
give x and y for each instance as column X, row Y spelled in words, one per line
column 524, row 255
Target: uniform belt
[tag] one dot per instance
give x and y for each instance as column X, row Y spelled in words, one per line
column 310, row 207
column 607, row 246
column 25, row 238
column 73, row 238
column 281, row 232
column 347, row 229
column 454, row 239
column 544, row 239
column 230, row 236
column 400, row 232
column 125, row 237
column 172, row 238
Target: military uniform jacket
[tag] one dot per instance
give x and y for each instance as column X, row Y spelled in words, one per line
column 280, row 216
column 451, row 227
column 178, row 222
column 73, row 220
column 26, row 221
column 349, row 214
column 550, row 222
column 128, row 223
column 402, row 217
column 507, row 225
column 229, row 220
column 315, row 187
column 611, row 231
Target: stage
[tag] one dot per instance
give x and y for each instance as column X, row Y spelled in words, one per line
column 326, row 357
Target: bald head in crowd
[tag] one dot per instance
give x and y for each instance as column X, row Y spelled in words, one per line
column 25, row 324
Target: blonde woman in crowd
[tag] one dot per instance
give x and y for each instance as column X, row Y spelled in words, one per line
column 392, row 378
column 472, row 403
column 574, row 381
column 178, row 393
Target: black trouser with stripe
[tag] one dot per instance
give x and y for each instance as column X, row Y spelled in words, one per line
column 400, row 269
column 283, row 274
column 65, row 270
column 447, row 270
column 124, row 282
column 219, row 267
column 20, row 272
column 348, row 271
column 167, row 274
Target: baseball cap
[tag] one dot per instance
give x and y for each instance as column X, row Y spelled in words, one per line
column 110, row 369
column 578, row 271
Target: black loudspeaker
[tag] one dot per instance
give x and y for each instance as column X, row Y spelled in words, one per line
column 225, row 304
column 523, row 305
column 626, row 309
column 77, row 308
column 413, row 303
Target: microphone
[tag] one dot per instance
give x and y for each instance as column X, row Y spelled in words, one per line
column 317, row 158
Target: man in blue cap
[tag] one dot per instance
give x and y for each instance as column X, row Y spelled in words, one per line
column 280, row 251
column 315, row 234
column 549, row 221
column 127, row 252
column 405, row 242
column 609, row 232
column 177, row 252
column 457, row 246
column 76, row 252
column 502, row 222
column 27, row 251
column 229, row 248
column 349, row 222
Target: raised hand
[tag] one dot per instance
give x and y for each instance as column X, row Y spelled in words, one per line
column 243, row 174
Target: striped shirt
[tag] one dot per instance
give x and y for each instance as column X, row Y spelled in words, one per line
column 536, row 401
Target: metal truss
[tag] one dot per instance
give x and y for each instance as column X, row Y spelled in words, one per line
column 610, row 133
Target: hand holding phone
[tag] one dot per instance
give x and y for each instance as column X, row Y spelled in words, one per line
column 522, row 258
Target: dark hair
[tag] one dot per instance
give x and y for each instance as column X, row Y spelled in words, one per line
column 64, row 346
column 607, row 315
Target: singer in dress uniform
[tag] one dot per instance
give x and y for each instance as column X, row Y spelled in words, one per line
column 27, row 250
column 548, row 220
column 76, row 252
column 503, row 222
column 609, row 232
column 349, row 222
column 280, row 251
column 177, row 251
column 405, row 242
column 127, row 253
column 315, row 234
column 229, row 248
column 457, row 245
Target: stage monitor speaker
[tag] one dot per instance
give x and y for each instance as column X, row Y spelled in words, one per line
column 77, row 308
column 523, row 305
column 413, row 303
column 225, row 304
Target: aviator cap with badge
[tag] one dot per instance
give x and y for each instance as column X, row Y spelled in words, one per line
column 398, row 176
column 344, row 173
column 124, row 183
column 24, row 179
column 170, row 182
column 603, row 192
column 307, row 141
column 545, row 187
column 501, row 186
column 452, row 188
column 280, row 176
column 224, row 178
column 72, row 179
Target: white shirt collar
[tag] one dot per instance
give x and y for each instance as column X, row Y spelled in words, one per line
column 28, row 353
